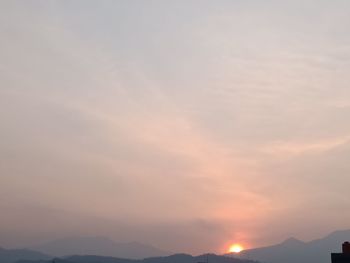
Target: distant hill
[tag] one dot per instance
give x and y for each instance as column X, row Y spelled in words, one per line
column 100, row 246
column 178, row 258
column 13, row 255
column 183, row 258
column 293, row 250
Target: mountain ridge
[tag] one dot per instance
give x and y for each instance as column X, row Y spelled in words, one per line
column 100, row 246
column 176, row 258
column 14, row 255
column 294, row 250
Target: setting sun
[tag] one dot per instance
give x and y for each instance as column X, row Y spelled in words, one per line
column 235, row 248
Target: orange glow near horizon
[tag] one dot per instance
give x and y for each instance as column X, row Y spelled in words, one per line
column 235, row 248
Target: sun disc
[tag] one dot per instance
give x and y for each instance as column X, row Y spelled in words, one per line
column 235, row 248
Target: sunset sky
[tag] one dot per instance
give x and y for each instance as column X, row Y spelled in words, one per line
column 187, row 124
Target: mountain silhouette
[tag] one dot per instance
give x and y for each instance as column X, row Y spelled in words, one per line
column 14, row 255
column 292, row 242
column 100, row 246
column 177, row 258
column 293, row 250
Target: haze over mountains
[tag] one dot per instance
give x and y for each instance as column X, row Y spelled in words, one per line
column 104, row 250
column 293, row 250
column 100, row 246
column 13, row 255
column 178, row 258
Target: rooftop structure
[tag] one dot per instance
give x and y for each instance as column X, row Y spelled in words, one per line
column 343, row 257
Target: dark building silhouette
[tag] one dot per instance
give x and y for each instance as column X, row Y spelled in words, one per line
column 342, row 257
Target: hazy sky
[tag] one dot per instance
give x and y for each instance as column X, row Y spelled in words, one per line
column 186, row 124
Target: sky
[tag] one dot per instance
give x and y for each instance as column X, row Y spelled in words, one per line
column 187, row 124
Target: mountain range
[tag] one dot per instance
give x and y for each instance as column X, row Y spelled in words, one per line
column 13, row 255
column 290, row 251
column 177, row 258
column 100, row 246
column 293, row 250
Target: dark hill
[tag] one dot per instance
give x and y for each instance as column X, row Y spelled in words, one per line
column 13, row 255
column 177, row 258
